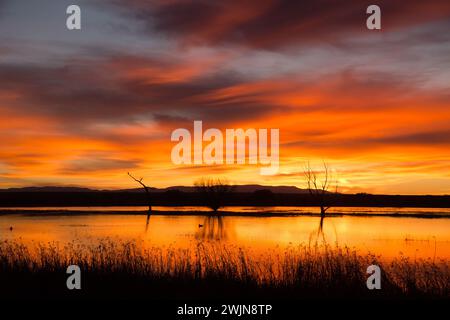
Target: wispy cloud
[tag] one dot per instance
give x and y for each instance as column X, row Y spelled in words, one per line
column 83, row 108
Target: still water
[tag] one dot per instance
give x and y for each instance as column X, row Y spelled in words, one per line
column 381, row 235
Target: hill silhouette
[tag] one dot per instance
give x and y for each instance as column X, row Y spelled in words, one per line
column 249, row 188
column 242, row 195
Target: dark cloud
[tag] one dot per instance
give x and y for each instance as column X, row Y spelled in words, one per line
column 94, row 163
column 92, row 90
column 274, row 23
column 438, row 137
column 109, row 90
column 428, row 138
column 75, row 93
column 169, row 119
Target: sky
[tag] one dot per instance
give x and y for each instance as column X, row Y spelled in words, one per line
column 84, row 107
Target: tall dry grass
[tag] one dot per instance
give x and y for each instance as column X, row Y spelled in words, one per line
column 299, row 271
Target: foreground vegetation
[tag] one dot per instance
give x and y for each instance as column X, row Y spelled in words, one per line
column 129, row 270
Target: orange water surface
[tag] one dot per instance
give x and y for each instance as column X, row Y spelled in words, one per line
column 386, row 236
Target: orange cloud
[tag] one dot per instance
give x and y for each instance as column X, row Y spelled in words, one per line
column 376, row 107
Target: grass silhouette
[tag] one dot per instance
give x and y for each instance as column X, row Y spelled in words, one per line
column 212, row 271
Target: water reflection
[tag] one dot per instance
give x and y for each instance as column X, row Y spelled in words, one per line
column 320, row 231
column 212, row 228
column 248, row 210
column 147, row 222
column 388, row 236
column 319, row 234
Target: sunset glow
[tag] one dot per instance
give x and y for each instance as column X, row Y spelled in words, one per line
column 84, row 108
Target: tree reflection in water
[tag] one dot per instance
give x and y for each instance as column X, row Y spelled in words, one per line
column 213, row 228
column 147, row 223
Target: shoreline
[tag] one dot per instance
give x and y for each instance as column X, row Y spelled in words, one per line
column 59, row 212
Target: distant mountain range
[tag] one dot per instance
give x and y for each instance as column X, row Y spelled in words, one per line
column 248, row 188
column 244, row 195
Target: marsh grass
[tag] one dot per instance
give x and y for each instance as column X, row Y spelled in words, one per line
column 207, row 270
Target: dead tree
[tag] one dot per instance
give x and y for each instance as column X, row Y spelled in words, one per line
column 319, row 184
column 149, row 200
column 214, row 192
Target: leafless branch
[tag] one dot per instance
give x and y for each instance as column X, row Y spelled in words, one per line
column 319, row 189
column 146, row 188
column 214, row 191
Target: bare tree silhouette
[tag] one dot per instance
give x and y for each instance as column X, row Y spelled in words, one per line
column 213, row 191
column 319, row 184
column 149, row 200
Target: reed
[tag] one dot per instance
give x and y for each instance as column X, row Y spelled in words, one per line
column 113, row 267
